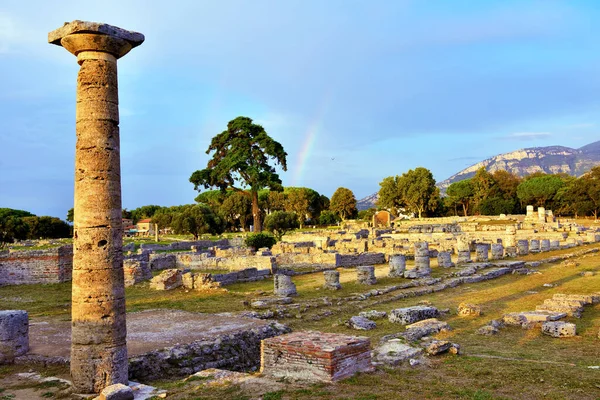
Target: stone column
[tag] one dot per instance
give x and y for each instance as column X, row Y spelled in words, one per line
column 98, row 338
column 545, row 245
column 463, row 250
column 497, row 251
column 554, row 244
column 522, row 247
column 530, row 214
column 397, row 265
column 366, row 275
column 332, row 280
column 444, row 259
column 541, row 214
column 534, row 246
column 481, row 252
column 283, row 286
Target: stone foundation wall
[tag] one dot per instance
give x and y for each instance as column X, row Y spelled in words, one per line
column 36, row 266
column 237, row 352
column 355, row 260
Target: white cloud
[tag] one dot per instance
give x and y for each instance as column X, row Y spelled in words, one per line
column 527, row 135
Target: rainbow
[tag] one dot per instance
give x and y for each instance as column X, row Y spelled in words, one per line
column 309, row 139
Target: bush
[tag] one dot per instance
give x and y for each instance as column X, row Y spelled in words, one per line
column 260, row 240
column 281, row 222
column 328, row 218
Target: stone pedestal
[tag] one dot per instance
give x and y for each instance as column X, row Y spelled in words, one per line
column 481, row 252
column 534, row 246
column 530, row 213
column 283, row 285
column 497, row 251
column 545, row 245
column 511, row 251
column 98, row 347
column 444, row 259
column 332, row 280
column 541, row 214
column 397, row 265
column 14, row 335
column 463, row 250
column 554, row 244
column 422, row 265
column 522, row 247
column 366, row 275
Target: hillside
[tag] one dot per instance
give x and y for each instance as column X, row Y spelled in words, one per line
column 549, row 159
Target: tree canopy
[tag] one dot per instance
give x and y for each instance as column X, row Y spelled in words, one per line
column 241, row 159
column 343, row 203
column 418, row 191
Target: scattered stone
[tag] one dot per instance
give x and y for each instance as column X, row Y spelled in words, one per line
column 437, row 347
column 559, row 329
column 365, row 275
column 116, row 392
column 393, row 352
column 373, row 314
column 421, row 329
column 267, row 302
column 332, row 280
column 409, row 315
column 588, row 273
column 413, row 362
column 167, row 280
column 466, row 309
column 487, row 330
column 454, row 349
column 548, row 285
column 361, row 323
column 283, row 285
column 187, row 280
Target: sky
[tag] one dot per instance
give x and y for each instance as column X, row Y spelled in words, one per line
column 355, row 91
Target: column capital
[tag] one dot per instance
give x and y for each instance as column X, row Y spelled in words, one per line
column 83, row 36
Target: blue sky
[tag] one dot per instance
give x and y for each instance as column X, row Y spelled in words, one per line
column 354, row 90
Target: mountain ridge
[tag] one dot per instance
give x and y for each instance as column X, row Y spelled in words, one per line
column 548, row 159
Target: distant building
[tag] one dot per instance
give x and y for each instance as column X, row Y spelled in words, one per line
column 145, row 227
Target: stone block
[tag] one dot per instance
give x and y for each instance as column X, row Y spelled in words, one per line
column 361, row 323
column 437, row 347
column 167, row 280
column 559, row 329
column 444, row 259
column 424, row 328
column 409, row 315
column 14, row 335
column 397, row 265
column 315, row 356
column 116, row 392
column 481, row 252
column 366, row 275
column 283, row 285
column 373, row 314
column 394, row 352
column 332, row 280
column 466, row 309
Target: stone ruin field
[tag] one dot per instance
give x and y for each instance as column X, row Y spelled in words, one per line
column 458, row 308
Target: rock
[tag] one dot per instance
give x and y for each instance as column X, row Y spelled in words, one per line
column 267, row 302
column 394, row 352
column 559, row 329
column 409, row 315
column 413, row 362
column 167, row 280
column 187, row 280
column 283, row 285
column 588, row 273
column 366, row 275
column 437, row 347
column 466, row 309
column 496, row 323
column 14, row 335
column 454, row 349
column 373, row 314
column 116, row 392
column 332, row 280
column 361, row 323
column 487, row 330
column 423, row 328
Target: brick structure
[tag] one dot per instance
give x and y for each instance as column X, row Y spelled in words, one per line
column 315, row 356
column 36, row 266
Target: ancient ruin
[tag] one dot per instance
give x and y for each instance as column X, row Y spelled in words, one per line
column 98, row 346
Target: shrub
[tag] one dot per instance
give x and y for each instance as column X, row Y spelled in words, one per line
column 259, row 240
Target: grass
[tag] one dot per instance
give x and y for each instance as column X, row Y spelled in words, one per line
column 516, row 363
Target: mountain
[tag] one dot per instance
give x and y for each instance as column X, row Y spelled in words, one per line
column 549, row 159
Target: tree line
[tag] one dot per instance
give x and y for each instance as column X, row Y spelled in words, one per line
column 21, row 225
column 498, row 192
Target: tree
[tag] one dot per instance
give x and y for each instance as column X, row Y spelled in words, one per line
column 46, row 228
column 236, row 208
column 11, row 228
column 367, row 215
column 343, row 203
column 144, row 212
column 328, row 218
column 461, row 193
column 241, row 155
column 390, row 197
column 196, row 219
column 281, row 222
column 540, row 191
column 71, row 215
column 418, row 191
column 484, row 187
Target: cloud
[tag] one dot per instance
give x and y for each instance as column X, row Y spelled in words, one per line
column 524, row 136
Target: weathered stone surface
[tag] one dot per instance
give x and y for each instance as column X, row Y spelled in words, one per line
column 283, row 285
column 437, row 347
column 116, row 392
column 522, row 247
column 467, row 309
column 373, row 314
column 487, row 330
column 361, row 323
column 393, row 352
column 481, row 252
column 14, row 335
column 559, row 329
column 136, row 271
column 332, row 280
column 444, row 259
column 167, row 280
column 187, row 280
column 497, row 251
column 366, row 275
column 266, row 302
column 424, row 328
column 397, row 265
column 409, row 315
column 315, row 356
column 99, row 352
column 530, row 319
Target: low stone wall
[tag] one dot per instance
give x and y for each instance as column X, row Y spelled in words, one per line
column 36, row 266
column 236, row 352
column 185, row 245
column 355, row 260
column 246, row 275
